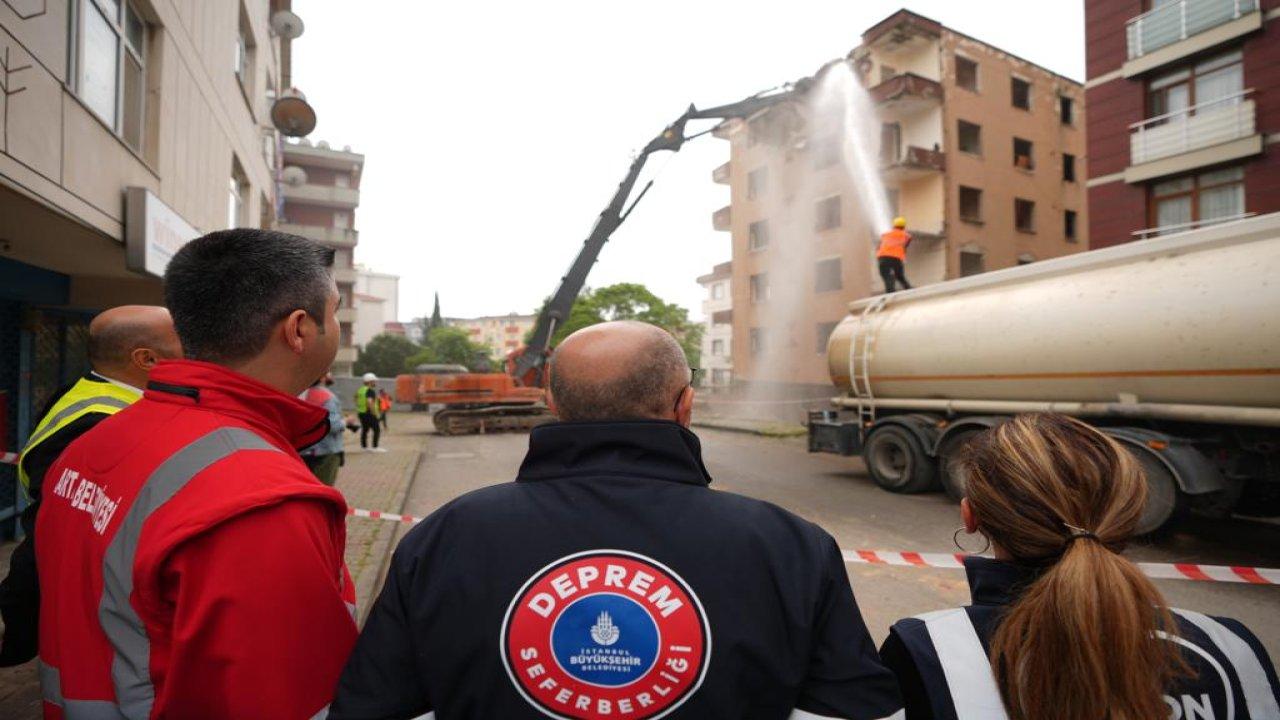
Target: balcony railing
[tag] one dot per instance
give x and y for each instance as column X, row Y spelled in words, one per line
column 906, row 93
column 1181, row 227
column 720, row 218
column 1179, row 20
column 1210, row 123
column 331, row 236
column 913, row 162
column 721, row 174
column 325, row 195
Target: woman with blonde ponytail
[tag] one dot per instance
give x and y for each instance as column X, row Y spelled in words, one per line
column 1063, row 627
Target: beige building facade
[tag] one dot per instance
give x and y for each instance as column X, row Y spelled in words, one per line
column 717, row 327
column 127, row 128
column 502, row 334
column 320, row 191
column 981, row 152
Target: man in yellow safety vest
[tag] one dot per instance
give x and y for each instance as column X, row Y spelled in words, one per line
column 124, row 344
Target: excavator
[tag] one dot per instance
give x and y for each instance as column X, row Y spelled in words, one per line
column 516, row 399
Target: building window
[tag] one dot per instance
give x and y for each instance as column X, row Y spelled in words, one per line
column 111, row 72
column 1021, row 92
column 235, row 202
column 1022, row 157
column 890, row 143
column 970, row 137
column 1066, row 110
column 826, row 152
column 717, row 348
column 1217, row 78
column 826, row 276
column 756, row 338
column 759, row 287
column 1024, row 215
column 244, row 55
column 1204, row 198
column 1069, row 225
column 758, row 235
column 823, row 335
column 970, row 204
column 1068, row 167
column 966, row 73
column 757, row 182
column 719, row 377
column 971, row 263
column 717, row 291
column 827, row 213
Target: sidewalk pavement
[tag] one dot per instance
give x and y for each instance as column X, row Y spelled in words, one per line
column 374, row 481
column 766, row 428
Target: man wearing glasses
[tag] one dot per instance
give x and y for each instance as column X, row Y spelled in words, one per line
column 610, row 581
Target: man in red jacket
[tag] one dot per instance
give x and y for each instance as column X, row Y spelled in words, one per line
column 191, row 565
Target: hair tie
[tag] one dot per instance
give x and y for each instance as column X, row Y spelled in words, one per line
column 1078, row 533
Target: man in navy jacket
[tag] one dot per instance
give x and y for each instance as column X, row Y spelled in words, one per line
column 609, row 580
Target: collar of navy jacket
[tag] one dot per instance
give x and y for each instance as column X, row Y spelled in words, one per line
column 657, row 449
column 997, row 582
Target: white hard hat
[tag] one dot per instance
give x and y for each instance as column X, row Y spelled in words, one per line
column 369, row 377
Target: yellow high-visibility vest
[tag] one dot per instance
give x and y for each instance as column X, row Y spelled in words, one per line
column 85, row 396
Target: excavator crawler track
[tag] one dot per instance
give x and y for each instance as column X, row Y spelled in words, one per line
column 470, row 421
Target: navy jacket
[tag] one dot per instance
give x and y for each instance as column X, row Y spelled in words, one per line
column 941, row 658
column 609, row 581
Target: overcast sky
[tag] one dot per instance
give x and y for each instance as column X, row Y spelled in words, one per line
column 495, row 132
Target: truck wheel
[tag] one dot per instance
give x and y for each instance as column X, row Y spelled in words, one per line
column 897, row 462
column 948, row 466
column 1165, row 502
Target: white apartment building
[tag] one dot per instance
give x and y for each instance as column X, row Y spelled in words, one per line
column 377, row 303
column 717, row 333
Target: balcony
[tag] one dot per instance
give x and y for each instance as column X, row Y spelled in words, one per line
column 721, row 174
column 913, row 162
column 333, row 237
column 345, row 355
column 1213, row 132
column 905, row 95
column 721, row 218
column 344, row 275
column 324, row 195
column 1181, row 28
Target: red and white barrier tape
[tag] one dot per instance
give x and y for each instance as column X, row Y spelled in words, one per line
column 950, row 561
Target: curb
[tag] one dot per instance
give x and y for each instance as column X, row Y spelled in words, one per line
column 774, row 430
column 384, row 565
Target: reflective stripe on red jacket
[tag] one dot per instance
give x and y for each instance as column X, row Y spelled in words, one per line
column 190, row 565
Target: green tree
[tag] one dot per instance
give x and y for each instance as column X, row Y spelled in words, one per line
column 384, row 355
column 632, row 301
column 450, row 346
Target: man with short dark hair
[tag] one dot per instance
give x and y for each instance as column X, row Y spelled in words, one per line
column 124, row 344
column 192, row 566
column 615, row 583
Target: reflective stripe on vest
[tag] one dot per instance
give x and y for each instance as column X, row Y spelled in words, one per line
column 84, row 397
column 131, row 663
column 964, row 662
column 1254, row 685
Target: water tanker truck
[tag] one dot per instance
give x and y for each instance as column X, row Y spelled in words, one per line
column 1169, row 345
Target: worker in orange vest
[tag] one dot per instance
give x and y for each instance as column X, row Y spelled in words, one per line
column 892, row 253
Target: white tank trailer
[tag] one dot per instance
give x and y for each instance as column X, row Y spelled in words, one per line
column 1170, row 345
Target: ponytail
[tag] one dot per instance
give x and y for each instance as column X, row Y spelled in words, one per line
column 1085, row 640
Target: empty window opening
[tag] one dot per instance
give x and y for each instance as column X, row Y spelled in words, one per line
column 1068, row 167
column 758, row 235
column 970, row 204
column 757, row 183
column 1022, row 157
column 1021, row 90
column 827, row 275
column 827, row 213
column 1066, row 110
column 966, row 73
column 970, row 137
column 1069, row 225
column 1024, row 215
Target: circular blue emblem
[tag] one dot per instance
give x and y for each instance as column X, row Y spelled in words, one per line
column 606, row 639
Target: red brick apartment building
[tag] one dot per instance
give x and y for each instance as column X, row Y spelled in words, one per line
column 1184, row 114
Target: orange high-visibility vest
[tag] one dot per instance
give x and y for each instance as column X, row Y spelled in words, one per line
column 894, row 244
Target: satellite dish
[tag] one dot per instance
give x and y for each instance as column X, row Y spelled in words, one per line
column 292, row 115
column 294, row 176
column 286, row 25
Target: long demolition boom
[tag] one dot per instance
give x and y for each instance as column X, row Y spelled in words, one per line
column 530, row 364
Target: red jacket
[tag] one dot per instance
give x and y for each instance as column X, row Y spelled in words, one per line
column 190, row 565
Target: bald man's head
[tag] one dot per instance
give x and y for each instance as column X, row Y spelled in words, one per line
column 619, row 371
column 126, row 342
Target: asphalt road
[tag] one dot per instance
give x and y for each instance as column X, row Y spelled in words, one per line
column 837, row 494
